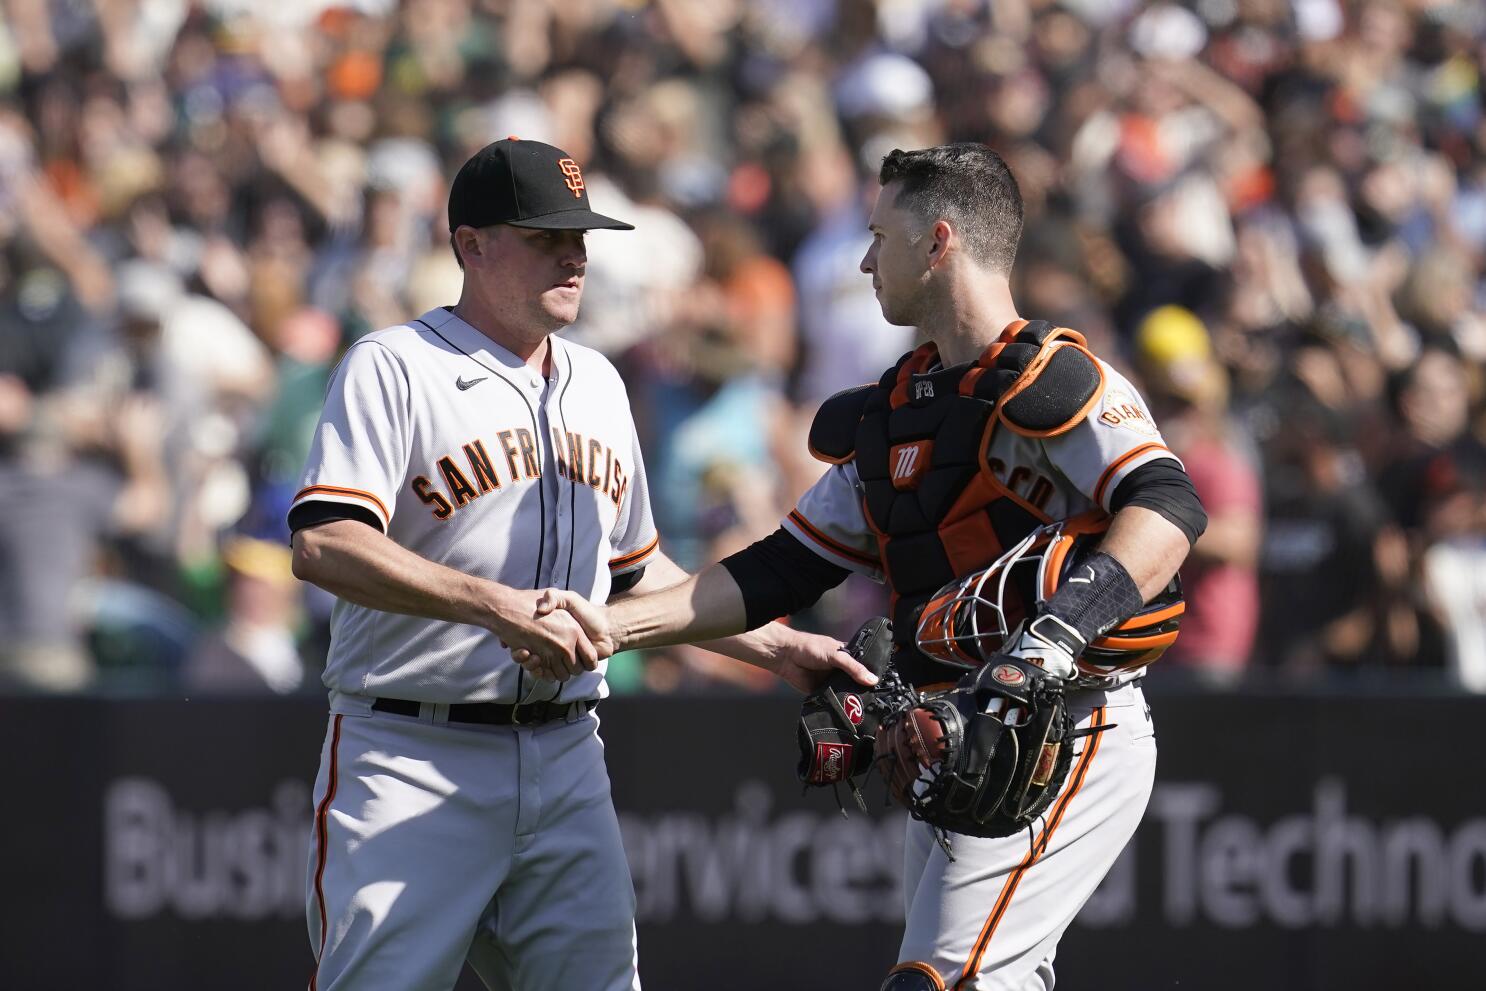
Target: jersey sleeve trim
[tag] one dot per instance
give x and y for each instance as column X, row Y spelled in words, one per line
column 1123, row 461
column 340, row 493
column 313, row 512
column 635, row 558
column 833, row 548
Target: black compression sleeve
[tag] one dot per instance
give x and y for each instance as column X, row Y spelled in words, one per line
column 625, row 582
column 779, row 576
column 319, row 511
column 1163, row 487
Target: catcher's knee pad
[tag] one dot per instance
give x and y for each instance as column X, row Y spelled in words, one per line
column 913, row 976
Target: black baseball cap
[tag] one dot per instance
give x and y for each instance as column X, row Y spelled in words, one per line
column 524, row 184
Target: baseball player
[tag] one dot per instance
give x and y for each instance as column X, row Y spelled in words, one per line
column 464, row 461
column 994, row 427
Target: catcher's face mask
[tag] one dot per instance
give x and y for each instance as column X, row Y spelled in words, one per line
column 971, row 618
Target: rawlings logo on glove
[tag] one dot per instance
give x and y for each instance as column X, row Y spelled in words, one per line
column 839, row 721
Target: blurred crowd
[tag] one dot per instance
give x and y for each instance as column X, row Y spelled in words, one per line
column 1269, row 213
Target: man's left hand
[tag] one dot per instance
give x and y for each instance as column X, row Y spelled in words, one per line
column 1048, row 643
column 806, row 660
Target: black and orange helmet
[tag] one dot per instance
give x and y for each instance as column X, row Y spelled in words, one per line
column 971, row 618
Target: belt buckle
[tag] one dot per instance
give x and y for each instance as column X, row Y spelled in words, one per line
column 518, row 720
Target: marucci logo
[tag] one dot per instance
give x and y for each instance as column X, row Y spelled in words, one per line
column 908, row 461
column 907, row 458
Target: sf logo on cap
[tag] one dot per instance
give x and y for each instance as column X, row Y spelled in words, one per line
column 573, row 176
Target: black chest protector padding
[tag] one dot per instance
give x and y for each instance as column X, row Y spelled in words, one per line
column 1047, row 390
column 833, row 432
column 1065, row 386
column 1055, row 400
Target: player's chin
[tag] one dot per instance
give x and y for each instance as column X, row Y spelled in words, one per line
column 894, row 314
column 561, row 305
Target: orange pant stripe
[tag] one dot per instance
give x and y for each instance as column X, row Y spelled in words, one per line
column 1009, row 888
column 322, row 841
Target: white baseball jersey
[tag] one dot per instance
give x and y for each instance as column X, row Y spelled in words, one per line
column 468, row 457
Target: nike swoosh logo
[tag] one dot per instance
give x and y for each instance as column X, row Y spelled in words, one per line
column 1083, row 581
column 463, row 385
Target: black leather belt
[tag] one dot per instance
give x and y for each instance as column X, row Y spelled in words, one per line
column 494, row 713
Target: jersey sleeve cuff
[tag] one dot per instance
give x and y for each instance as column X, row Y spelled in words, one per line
column 634, row 559
column 342, row 494
column 832, row 550
column 1123, row 465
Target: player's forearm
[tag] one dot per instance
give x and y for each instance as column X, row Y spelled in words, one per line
column 761, row 647
column 1150, row 547
column 361, row 565
column 707, row 607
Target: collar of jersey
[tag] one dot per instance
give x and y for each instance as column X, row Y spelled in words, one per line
column 478, row 346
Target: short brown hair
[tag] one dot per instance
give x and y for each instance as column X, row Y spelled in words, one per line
column 967, row 184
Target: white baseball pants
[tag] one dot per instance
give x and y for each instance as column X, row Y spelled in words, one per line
column 992, row 918
column 436, row 844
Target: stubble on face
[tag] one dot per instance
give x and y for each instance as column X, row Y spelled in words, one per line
column 537, row 279
column 900, row 288
column 904, row 308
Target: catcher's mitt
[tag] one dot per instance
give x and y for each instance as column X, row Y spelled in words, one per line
column 985, row 759
column 839, row 721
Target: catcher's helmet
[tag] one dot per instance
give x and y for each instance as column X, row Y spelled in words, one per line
column 971, row 618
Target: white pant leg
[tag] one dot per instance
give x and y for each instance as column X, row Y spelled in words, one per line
column 414, row 832
column 993, row 917
column 917, row 845
column 564, row 917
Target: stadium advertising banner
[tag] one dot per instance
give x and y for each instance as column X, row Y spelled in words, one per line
column 1290, row 843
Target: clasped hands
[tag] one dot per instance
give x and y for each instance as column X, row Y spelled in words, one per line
column 555, row 634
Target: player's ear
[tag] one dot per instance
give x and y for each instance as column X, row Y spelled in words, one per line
column 468, row 240
column 941, row 237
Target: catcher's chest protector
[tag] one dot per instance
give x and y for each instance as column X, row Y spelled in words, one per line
column 938, row 510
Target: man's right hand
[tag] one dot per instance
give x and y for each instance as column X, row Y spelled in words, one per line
column 549, row 643
column 593, row 620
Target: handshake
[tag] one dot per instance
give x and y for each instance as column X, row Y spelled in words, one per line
column 553, row 633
